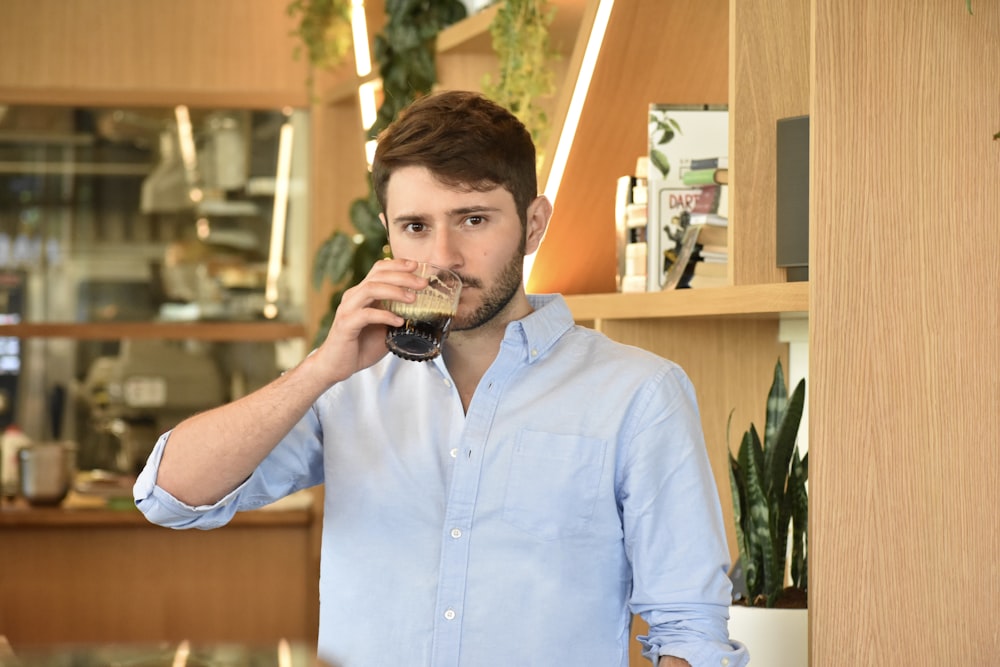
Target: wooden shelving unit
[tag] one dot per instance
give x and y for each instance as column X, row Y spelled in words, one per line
column 761, row 301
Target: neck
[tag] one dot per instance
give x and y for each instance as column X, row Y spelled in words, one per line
column 468, row 354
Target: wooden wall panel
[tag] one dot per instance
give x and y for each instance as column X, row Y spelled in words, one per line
column 905, row 294
column 769, row 65
column 199, row 52
column 654, row 51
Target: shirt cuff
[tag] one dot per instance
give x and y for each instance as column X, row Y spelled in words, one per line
column 163, row 509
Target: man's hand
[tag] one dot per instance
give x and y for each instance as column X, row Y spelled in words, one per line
column 671, row 661
column 357, row 335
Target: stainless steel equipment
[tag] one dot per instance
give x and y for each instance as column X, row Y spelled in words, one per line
column 47, row 471
column 148, row 388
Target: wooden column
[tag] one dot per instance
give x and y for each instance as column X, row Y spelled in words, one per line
column 904, row 353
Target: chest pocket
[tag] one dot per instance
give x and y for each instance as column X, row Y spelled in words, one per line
column 554, row 483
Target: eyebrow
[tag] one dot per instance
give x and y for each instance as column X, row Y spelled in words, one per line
column 453, row 213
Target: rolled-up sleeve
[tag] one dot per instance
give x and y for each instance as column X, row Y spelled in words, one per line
column 674, row 533
column 294, row 464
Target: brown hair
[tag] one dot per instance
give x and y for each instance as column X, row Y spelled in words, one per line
column 465, row 140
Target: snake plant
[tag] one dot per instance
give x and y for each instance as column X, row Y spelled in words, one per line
column 770, row 499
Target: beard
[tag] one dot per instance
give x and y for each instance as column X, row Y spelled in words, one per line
column 496, row 298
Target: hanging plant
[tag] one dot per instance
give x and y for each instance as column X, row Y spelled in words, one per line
column 404, row 52
column 323, row 32
column 520, row 33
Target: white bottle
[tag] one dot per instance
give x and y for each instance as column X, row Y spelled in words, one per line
column 12, row 441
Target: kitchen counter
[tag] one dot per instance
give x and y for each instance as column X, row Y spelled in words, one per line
column 84, row 574
column 79, row 510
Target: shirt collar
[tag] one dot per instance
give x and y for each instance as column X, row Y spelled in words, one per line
column 538, row 331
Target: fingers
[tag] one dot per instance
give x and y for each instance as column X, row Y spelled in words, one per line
column 388, row 280
column 362, row 305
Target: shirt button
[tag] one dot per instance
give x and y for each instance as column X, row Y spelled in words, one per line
column 725, row 661
column 456, row 533
column 447, row 382
column 450, row 614
column 454, row 452
column 534, row 353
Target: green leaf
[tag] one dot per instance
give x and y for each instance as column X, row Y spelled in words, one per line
column 737, row 483
column 761, row 544
column 776, row 399
column 659, row 160
column 784, row 438
column 333, row 259
column 799, row 502
column 364, row 217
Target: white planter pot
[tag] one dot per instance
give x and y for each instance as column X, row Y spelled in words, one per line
column 773, row 637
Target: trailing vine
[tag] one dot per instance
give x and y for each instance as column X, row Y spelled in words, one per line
column 323, row 31
column 520, row 33
column 404, row 52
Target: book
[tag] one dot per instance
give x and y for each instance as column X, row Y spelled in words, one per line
column 713, row 254
column 709, row 176
column 707, row 273
column 713, row 236
column 711, row 269
column 708, row 199
column 720, row 162
column 707, row 219
column 698, row 177
column 679, row 135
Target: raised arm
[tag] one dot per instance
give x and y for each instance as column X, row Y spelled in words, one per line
column 211, row 453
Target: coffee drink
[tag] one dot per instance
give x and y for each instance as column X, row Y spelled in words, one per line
column 427, row 319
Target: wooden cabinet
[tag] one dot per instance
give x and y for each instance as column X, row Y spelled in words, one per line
column 89, row 576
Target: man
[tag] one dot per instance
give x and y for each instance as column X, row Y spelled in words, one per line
column 511, row 502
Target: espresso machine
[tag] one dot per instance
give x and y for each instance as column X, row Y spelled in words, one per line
column 126, row 401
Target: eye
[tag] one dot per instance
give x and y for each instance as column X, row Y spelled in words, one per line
column 414, row 227
column 474, row 220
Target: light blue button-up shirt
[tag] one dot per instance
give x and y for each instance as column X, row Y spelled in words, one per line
column 575, row 491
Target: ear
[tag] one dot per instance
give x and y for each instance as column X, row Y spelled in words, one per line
column 539, row 212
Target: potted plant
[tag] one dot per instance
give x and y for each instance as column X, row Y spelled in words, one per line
column 770, row 508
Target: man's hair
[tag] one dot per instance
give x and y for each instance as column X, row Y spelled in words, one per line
column 465, row 140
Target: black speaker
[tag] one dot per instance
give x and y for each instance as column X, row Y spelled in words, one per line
column 792, row 196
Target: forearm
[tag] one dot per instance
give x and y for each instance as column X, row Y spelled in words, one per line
column 211, row 453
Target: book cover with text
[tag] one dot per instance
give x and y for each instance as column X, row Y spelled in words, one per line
column 679, row 135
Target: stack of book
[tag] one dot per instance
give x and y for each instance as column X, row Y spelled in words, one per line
column 688, row 190
column 710, row 259
column 700, row 258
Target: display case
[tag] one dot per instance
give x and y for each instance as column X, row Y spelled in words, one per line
column 144, row 269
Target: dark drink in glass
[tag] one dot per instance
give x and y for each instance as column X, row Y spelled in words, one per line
column 428, row 318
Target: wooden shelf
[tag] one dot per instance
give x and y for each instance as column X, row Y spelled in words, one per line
column 714, row 302
column 207, row 331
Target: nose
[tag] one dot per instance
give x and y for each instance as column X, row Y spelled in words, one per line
column 446, row 250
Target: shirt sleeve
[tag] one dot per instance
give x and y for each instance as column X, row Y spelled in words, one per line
column 295, row 463
column 674, row 534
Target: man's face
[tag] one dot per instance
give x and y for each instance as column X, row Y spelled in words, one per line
column 478, row 235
